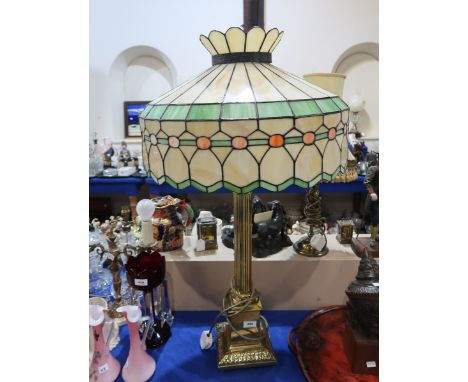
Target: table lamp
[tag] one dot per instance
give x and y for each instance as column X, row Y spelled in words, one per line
column 244, row 124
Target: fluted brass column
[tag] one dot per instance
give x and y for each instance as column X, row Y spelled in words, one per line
column 243, row 243
column 243, row 340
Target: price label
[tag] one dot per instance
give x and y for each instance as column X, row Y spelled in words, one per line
column 371, row 364
column 141, row 282
column 249, row 324
column 103, row 368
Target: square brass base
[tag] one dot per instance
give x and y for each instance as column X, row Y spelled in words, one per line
column 234, row 352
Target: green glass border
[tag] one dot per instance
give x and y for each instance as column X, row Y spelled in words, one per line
column 156, row 112
column 340, row 103
column 305, row 108
column 238, row 111
column 273, row 110
column 327, row 105
column 204, row 112
column 176, row 112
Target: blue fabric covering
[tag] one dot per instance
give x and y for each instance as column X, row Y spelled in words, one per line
column 181, row 359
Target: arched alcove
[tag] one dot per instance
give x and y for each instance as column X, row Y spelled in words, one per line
column 139, row 73
column 360, row 64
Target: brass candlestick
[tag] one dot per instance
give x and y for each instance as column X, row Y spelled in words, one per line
column 313, row 214
column 114, row 254
column 243, row 340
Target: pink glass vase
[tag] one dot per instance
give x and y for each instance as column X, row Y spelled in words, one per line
column 104, row 367
column 139, row 366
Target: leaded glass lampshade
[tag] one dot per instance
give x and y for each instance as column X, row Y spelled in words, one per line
column 244, row 123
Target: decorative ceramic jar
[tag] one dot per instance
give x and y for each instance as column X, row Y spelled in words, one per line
column 170, row 218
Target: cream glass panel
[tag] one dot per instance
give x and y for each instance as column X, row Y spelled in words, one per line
column 321, row 129
column 258, row 152
column 145, row 159
column 345, row 116
column 308, row 88
column 240, row 168
column 188, row 151
column 239, row 128
column 344, row 154
column 203, row 129
column 277, row 166
column 216, row 91
column 309, row 123
column 294, row 149
column 270, row 38
column 187, row 135
column 174, row 93
column 219, row 42
column 236, row 39
column 294, row 133
column 163, row 149
column 276, row 126
column 147, row 146
column 263, row 90
column 331, row 158
column 191, row 94
column 258, row 135
column 332, row 120
column 205, row 168
column 173, row 128
column 152, row 126
column 220, row 136
column 280, row 36
column 239, row 88
column 308, row 164
column 208, row 45
column 221, row 152
column 287, row 90
column 255, row 38
column 156, row 163
column 321, row 144
column 176, row 166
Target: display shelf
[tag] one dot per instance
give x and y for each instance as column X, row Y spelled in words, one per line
column 285, row 280
column 129, row 186
column 115, row 185
column 354, row 186
column 181, row 359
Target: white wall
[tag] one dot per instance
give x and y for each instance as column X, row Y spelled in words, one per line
column 317, row 33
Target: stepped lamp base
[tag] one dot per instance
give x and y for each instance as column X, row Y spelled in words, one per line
column 237, row 352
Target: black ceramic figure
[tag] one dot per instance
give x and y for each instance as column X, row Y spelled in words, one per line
column 363, row 294
column 268, row 237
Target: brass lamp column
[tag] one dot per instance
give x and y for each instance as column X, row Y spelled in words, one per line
column 243, row 340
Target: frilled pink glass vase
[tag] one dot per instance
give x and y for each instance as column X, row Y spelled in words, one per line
column 104, row 367
column 139, row 366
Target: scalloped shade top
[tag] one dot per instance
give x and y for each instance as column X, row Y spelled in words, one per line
column 244, row 123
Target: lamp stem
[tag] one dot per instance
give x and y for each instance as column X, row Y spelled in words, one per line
column 243, row 243
column 254, row 14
